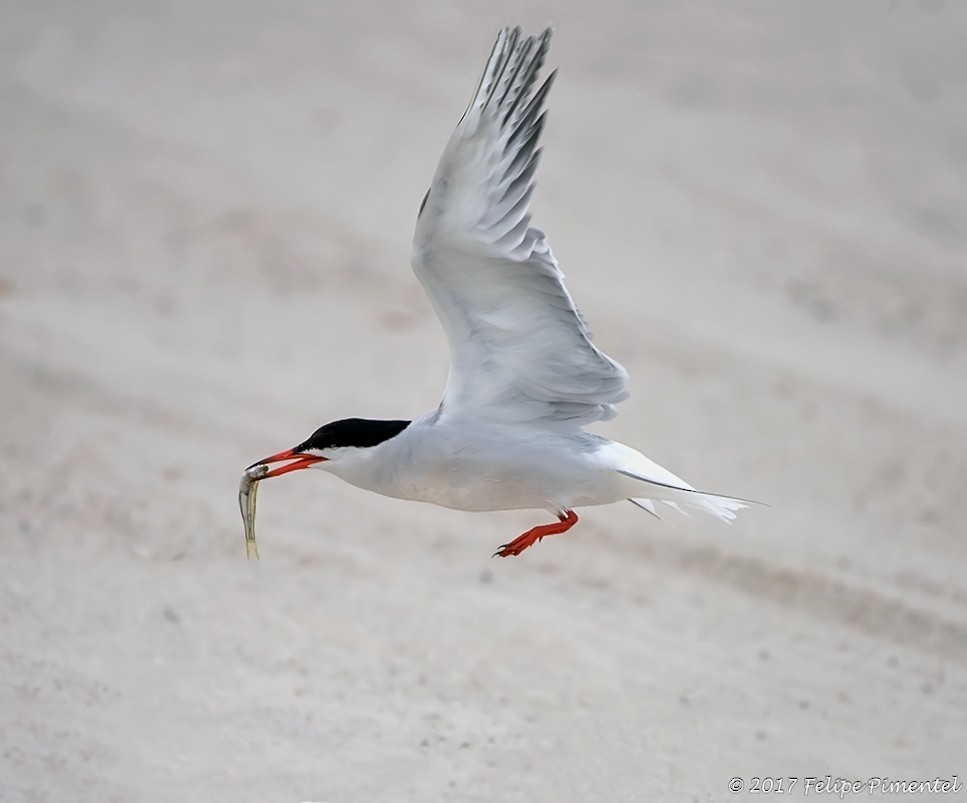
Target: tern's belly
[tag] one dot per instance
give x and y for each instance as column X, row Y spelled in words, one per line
column 470, row 485
column 476, row 493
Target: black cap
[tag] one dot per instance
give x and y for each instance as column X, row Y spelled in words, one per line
column 358, row 432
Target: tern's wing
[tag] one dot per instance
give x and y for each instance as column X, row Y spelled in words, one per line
column 519, row 349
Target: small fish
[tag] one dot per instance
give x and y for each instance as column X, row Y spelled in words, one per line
column 247, row 489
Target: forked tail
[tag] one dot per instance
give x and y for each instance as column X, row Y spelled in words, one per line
column 684, row 499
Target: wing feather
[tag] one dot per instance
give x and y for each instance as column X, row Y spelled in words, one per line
column 519, row 349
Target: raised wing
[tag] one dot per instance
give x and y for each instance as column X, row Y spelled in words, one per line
column 519, row 349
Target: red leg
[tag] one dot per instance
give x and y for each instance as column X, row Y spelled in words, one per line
column 521, row 543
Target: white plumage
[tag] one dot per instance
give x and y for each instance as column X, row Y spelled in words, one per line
column 524, row 375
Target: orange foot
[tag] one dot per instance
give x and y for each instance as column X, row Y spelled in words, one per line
column 521, row 543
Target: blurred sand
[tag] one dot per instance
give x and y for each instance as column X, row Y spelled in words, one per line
column 205, row 218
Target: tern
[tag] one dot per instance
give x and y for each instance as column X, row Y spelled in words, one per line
column 524, row 376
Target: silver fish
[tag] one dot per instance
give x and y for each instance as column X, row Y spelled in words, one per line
column 247, row 489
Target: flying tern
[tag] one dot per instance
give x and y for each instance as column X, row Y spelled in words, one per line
column 525, row 377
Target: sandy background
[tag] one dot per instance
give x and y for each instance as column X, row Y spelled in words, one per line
column 205, row 219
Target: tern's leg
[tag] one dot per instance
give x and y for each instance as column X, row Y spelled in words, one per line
column 567, row 520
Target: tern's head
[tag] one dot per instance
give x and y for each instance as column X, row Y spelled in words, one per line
column 332, row 442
